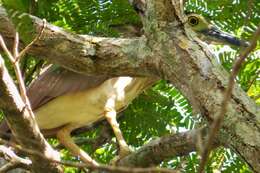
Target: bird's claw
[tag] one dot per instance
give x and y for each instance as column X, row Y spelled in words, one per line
column 124, row 151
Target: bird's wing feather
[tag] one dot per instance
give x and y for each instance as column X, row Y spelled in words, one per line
column 53, row 83
column 56, row 82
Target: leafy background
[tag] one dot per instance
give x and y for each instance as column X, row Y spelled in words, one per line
column 162, row 109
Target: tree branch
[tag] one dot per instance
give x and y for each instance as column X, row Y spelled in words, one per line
column 112, row 169
column 22, row 123
column 153, row 153
column 13, row 160
column 84, row 54
column 169, row 146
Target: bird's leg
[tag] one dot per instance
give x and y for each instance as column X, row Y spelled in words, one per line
column 110, row 114
column 64, row 137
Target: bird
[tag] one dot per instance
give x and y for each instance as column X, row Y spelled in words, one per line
column 64, row 100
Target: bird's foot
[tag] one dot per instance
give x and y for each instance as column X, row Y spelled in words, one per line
column 124, row 151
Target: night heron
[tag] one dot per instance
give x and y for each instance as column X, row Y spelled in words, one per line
column 64, row 101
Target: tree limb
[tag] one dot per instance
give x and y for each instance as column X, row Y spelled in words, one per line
column 22, row 123
column 84, row 54
column 168, row 146
column 14, row 161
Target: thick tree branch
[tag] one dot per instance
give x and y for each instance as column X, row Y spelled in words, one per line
column 84, row 54
column 156, row 151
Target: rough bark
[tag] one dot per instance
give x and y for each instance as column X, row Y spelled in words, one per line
column 82, row 53
column 166, row 147
column 169, row 51
column 190, row 66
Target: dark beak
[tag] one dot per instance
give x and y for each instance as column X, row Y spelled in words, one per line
column 215, row 35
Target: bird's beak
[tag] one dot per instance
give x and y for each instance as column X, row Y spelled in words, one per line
column 220, row 37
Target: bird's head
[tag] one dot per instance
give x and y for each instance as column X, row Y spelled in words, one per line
column 210, row 33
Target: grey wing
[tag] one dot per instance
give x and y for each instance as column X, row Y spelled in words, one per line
column 56, row 82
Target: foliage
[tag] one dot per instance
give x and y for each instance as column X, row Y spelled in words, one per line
column 162, row 109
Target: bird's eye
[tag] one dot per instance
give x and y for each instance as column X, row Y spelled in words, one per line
column 193, row 21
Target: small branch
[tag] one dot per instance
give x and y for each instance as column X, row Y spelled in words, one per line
column 251, row 82
column 11, row 156
column 112, row 169
column 16, row 46
column 256, row 97
column 219, row 118
column 15, row 60
column 14, row 161
column 8, row 53
column 23, row 52
column 33, row 72
column 248, row 16
column 16, row 68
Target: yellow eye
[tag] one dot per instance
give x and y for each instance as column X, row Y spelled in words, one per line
column 193, row 21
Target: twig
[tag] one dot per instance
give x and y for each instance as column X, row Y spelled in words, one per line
column 15, row 60
column 249, row 10
column 33, row 72
column 14, row 161
column 221, row 162
column 256, row 97
column 18, row 73
column 8, row 53
column 13, row 165
column 227, row 95
column 113, row 169
column 22, row 53
column 11, row 156
column 251, row 82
